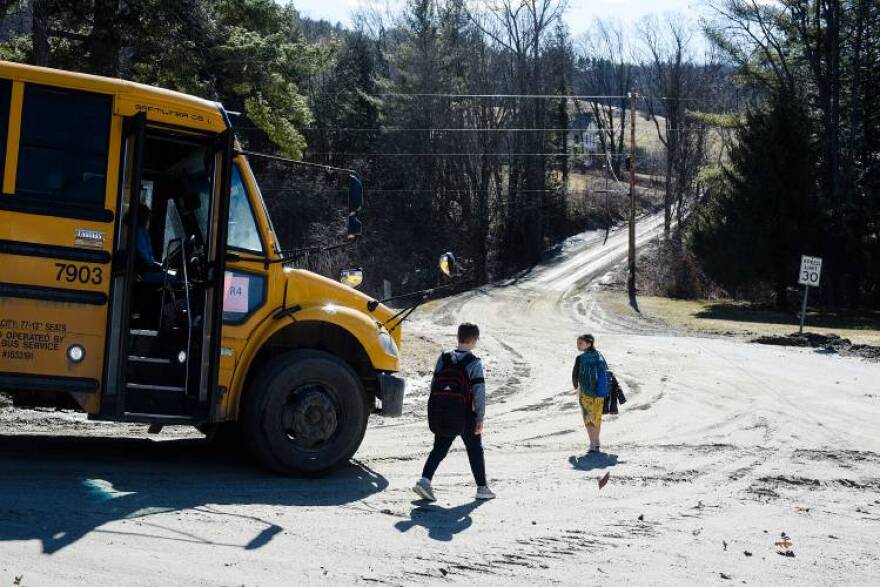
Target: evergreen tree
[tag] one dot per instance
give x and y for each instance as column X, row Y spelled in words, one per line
column 755, row 223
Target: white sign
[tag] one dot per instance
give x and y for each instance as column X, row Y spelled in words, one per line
column 811, row 270
column 235, row 293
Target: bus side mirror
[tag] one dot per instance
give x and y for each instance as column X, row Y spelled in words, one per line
column 447, row 264
column 351, row 277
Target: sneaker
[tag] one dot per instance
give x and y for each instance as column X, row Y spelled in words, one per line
column 483, row 492
column 424, row 490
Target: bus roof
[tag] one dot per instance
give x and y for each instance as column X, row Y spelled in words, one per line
column 159, row 104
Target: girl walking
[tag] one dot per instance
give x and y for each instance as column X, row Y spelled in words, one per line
column 589, row 377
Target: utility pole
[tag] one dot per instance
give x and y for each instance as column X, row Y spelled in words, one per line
column 631, row 276
column 607, row 209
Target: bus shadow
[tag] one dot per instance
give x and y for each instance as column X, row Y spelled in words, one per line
column 58, row 489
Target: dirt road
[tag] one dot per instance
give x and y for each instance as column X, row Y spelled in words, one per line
column 723, row 450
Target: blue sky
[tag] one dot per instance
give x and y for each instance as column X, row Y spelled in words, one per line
column 579, row 15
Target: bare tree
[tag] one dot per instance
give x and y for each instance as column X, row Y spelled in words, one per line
column 605, row 69
column 673, row 82
column 520, row 29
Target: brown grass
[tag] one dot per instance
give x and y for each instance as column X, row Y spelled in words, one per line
column 746, row 319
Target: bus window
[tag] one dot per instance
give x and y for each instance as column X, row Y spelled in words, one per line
column 174, row 228
column 63, row 148
column 5, row 96
column 243, row 232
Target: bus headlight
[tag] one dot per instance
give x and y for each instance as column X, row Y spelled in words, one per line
column 76, row 353
column 388, row 344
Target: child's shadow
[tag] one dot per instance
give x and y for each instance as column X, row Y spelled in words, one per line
column 442, row 523
column 596, row 460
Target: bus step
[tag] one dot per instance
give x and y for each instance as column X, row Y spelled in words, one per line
column 158, row 417
column 146, row 387
column 155, row 360
column 144, row 332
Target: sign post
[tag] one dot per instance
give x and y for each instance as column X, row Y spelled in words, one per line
column 811, row 271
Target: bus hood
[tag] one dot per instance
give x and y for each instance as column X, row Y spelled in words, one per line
column 308, row 289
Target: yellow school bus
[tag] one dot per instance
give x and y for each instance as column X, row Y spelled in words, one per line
column 141, row 279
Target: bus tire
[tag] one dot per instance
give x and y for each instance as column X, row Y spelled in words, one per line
column 305, row 413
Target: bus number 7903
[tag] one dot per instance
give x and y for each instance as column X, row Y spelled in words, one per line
column 79, row 273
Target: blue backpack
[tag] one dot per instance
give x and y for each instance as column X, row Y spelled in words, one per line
column 593, row 375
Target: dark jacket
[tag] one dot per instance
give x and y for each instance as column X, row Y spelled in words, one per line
column 615, row 392
column 615, row 395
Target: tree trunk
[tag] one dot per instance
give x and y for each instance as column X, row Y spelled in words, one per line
column 40, row 32
column 103, row 44
column 834, row 80
column 667, row 195
column 781, row 294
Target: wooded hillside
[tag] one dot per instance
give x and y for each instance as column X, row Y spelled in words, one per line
column 495, row 133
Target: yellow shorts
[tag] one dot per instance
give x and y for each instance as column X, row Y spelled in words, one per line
column 591, row 407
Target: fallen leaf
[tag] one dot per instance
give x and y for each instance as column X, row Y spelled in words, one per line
column 786, row 543
column 603, row 480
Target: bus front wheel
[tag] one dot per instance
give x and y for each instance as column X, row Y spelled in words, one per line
column 305, row 413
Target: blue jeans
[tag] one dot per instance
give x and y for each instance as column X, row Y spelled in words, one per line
column 472, row 442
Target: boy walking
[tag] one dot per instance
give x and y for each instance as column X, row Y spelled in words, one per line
column 456, row 407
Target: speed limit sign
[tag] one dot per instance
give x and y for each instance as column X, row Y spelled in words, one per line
column 811, row 271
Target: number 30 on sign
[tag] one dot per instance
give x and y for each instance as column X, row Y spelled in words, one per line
column 811, row 271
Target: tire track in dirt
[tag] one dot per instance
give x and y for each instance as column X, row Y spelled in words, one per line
column 528, row 557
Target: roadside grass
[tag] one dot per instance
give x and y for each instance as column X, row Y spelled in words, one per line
column 744, row 319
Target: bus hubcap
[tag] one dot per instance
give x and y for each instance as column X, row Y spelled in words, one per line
column 311, row 418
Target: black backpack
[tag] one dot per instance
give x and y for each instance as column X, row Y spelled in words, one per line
column 451, row 396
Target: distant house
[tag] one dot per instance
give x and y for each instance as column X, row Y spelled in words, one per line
column 584, row 137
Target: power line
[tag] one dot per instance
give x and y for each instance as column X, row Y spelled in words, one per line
column 523, row 96
column 572, row 155
column 404, row 129
column 413, row 191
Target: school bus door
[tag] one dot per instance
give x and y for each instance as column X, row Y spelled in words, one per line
column 167, row 372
